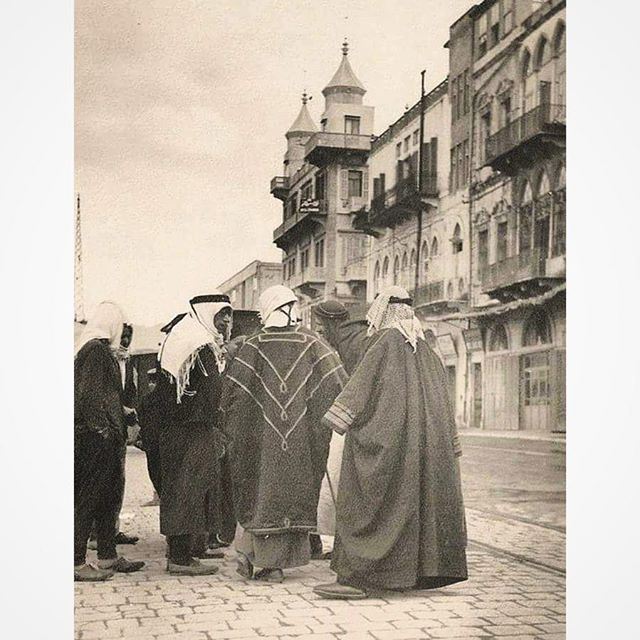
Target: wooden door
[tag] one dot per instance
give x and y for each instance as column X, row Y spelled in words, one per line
column 535, row 392
column 476, row 420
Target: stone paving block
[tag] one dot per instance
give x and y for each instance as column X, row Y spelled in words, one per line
column 552, row 628
column 283, row 630
column 373, row 613
column 365, row 625
column 417, row 624
column 356, row 635
column 459, row 632
column 400, row 634
column 513, row 630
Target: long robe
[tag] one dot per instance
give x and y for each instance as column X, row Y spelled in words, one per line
column 400, row 514
column 191, row 445
column 280, row 383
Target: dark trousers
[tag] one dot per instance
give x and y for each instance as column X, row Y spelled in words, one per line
column 180, row 551
column 98, row 492
column 153, row 466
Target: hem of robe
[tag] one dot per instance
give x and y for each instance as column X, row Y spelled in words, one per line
column 280, row 551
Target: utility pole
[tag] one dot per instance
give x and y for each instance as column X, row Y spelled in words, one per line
column 420, row 184
column 79, row 293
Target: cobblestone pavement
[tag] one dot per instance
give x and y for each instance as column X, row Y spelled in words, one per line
column 509, row 594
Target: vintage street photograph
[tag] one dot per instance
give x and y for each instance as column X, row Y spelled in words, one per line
column 319, row 361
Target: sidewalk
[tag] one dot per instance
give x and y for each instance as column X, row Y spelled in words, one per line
column 542, row 436
column 505, row 597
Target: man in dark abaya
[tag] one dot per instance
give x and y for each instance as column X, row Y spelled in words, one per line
column 100, row 444
column 400, row 520
column 192, row 361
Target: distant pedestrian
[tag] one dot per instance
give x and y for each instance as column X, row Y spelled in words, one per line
column 100, row 444
column 400, row 516
column 192, row 360
column 282, row 380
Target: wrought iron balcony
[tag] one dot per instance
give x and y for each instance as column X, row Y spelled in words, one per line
column 280, row 187
column 310, row 211
column 428, row 294
column 401, row 201
column 513, row 272
column 523, row 140
column 324, row 147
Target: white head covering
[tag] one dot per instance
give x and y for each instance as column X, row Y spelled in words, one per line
column 106, row 323
column 190, row 334
column 392, row 308
column 271, row 302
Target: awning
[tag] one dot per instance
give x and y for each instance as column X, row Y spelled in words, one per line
column 499, row 309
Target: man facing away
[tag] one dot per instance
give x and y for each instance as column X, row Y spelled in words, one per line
column 100, row 444
column 400, row 517
column 280, row 384
column 192, row 361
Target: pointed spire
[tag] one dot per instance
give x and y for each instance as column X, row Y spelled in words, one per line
column 344, row 78
column 303, row 123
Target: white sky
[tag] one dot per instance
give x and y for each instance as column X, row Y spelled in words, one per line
column 181, row 109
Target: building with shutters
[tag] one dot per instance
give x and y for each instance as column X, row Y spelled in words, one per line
column 515, row 125
column 323, row 184
column 432, row 264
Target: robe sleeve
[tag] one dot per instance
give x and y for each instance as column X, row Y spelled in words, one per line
column 361, row 391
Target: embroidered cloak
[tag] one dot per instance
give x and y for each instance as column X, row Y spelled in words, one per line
column 400, row 516
column 280, row 384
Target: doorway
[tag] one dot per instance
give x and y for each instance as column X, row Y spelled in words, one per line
column 535, row 392
column 476, row 418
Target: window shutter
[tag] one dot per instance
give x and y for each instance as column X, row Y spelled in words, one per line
column 382, row 183
column 376, row 187
column 426, row 161
column 433, row 160
column 365, row 185
column 344, row 184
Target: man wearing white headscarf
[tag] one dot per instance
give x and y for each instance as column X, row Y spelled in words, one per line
column 192, row 360
column 280, row 383
column 400, row 517
column 99, row 419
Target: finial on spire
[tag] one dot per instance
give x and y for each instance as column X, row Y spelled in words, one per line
column 345, row 47
column 304, row 97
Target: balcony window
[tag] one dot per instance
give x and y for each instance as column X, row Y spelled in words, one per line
column 507, row 16
column 425, row 259
column 306, row 192
column 454, row 100
column 406, row 143
column 304, row 259
column 292, row 267
column 501, row 248
column 483, row 250
column 559, row 223
column 416, row 136
column 482, row 35
column 320, row 181
column 494, row 34
column 319, row 253
column 434, row 247
column 355, row 184
column 450, row 291
column 452, row 174
column 505, row 112
column 525, row 215
column 456, row 240
column 352, row 125
column 485, row 130
column 398, row 149
column 385, row 271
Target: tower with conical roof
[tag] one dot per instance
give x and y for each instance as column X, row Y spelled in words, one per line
column 325, row 183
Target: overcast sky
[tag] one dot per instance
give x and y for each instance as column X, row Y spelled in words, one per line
column 181, row 110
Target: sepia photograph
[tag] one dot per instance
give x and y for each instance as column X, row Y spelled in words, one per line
column 321, row 391
column 324, row 376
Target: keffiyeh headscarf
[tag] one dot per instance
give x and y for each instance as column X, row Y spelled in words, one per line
column 189, row 334
column 106, row 323
column 278, row 307
column 392, row 309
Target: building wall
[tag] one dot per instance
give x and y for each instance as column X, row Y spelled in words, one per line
column 245, row 287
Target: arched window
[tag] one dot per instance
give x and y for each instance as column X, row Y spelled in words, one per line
column 461, row 286
column 376, row 279
column 526, row 69
column 425, row 259
column 525, row 219
column 396, row 271
column 498, row 340
column 543, row 185
column 434, row 247
column 385, row 271
column 543, row 53
column 456, row 240
column 525, row 64
column 537, row 330
column 450, row 291
column 405, row 271
column 412, row 263
column 559, row 39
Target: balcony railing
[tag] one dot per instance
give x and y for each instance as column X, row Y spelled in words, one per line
column 306, row 276
column 279, row 187
column 403, row 196
column 545, row 118
column 305, row 210
column 524, row 266
column 429, row 293
column 323, row 145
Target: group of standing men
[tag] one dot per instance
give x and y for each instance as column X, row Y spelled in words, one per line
column 284, row 434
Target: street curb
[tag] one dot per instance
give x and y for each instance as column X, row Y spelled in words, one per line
column 513, row 435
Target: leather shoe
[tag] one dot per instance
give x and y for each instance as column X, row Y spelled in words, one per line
column 123, row 538
column 211, row 554
column 121, row 565
column 337, row 591
column 90, row 573
column 270, row 575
